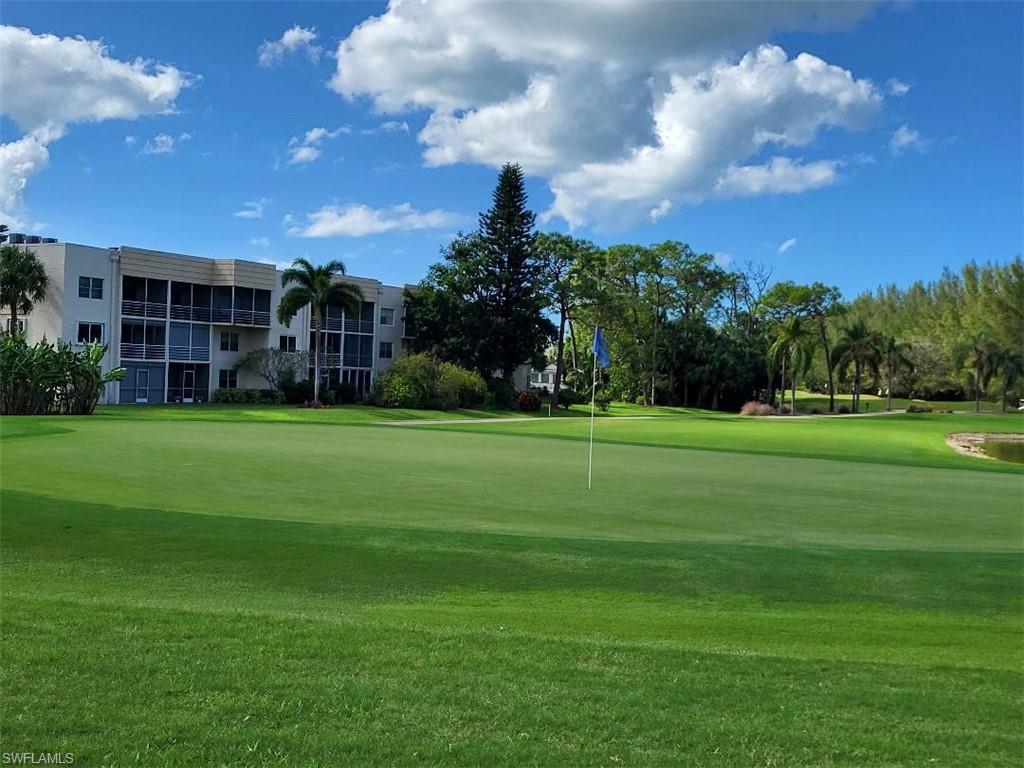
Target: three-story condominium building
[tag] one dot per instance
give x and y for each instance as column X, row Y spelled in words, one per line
column 178, row 324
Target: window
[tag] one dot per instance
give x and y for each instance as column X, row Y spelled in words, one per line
column 288, row 343
column 90, row 287
column 387, row 316
column 90, row 333
column 228, row 378
column 228, row 342
column 387, row 350
column 21, row 325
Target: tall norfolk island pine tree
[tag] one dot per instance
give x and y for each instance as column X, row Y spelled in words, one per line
column 514, row 273
column 482, row 307
column 315, row 286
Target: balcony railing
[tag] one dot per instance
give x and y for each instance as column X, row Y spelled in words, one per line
column 189, row 354
column 240, row 317
column 327, row 360
column 143, row 308
column 195, row 314
column 359, row 326
column 142, row 351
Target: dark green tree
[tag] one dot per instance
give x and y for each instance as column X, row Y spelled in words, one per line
column 316, row 287
column 563, row 258
column 857, row 345
column 482, row 307
column 514, row 275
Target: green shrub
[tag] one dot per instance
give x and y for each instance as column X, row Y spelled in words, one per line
column 346, row 392
column 503, row 394
column 603, row 400
column 328, row 397
column 527, row 401
column 297, row 392
column 51, row 378
column 915, row 408
column 843, row 409
column 248, row 396
column 469, row 386
column 419, row 381
column 568, row 397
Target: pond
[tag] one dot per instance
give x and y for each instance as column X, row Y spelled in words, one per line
column 1005, row 450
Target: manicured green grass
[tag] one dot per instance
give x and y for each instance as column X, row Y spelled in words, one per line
column 245, row 586
column 873, row 403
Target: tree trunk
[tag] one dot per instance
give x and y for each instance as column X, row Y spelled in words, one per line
column 572, row 337
column 792, row 401
column 782, row 387
column 14, row 319
column 828, row 367
column 856, row 387
column 1004, row 395
column 316, row 360
column 977, row 388
column 888, row 393
column 559, row 359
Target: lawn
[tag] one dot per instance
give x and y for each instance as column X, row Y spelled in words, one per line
column 278, row 586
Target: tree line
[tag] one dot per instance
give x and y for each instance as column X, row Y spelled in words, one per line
column 686, row 330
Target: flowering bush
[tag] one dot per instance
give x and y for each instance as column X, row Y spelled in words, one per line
column 527, row 401
column 755, row 408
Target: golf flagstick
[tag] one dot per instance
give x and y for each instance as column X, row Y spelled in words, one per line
column 593, row 393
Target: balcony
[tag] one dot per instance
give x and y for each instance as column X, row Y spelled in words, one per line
column 358, row 327
column 188, row 354
column 143, row 308
column 195, row 314
column 330, row 324
column 327, row 360
column 142, row 351
column 240, row 317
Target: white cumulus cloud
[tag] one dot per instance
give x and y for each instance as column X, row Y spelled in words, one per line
column 896, row 87
column 50, row 82
column 594, row 96
column 358, row 220
column 260, row 242
column 253, row 209
column 904, row 138
column 307, row 148
column 163, row 143
column 293, row 40
column 389, row 126
column 785, row 245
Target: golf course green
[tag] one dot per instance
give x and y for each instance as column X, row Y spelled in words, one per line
column 239, row 585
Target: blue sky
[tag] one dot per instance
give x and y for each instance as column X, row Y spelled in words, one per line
column 894, row 151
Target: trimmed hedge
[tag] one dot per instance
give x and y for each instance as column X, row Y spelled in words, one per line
column 252, row 396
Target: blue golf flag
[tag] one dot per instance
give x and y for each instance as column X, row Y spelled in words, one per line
column 601, row 349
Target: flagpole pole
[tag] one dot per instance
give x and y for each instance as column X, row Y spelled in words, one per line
column 593, row 395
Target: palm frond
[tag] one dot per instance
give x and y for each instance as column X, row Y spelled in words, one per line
column 292, row 302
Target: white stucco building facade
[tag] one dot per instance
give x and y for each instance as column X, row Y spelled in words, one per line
column 178, row 324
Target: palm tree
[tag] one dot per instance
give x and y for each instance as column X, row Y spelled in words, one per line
column 859, row 346
column 975, row 349
column 789, row 347
column 23, row 281
column 894, row 356
column 316, row 287
column 1008, row 365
